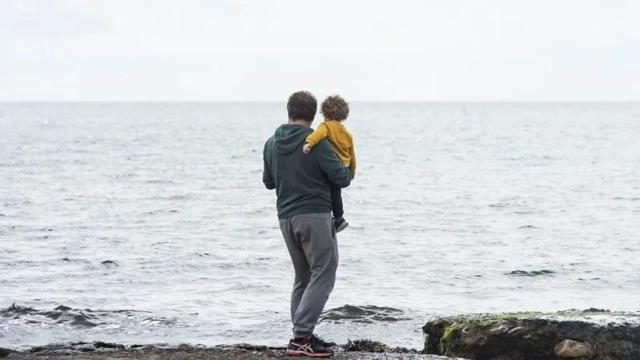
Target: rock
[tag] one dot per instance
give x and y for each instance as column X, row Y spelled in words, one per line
column 365, row 314
column 573, row 349
column 366, row 345
column 596, row 335
column 105, row 345
column 5, row 352
column 109, row 351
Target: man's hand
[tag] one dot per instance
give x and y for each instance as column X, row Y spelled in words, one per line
column 306, row 148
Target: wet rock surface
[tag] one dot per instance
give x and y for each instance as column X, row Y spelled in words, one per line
column 363, row 314
column 372, row 346
column 591, row 334
column 574, row 349
column 68, row 317
column 5, row 352
column 358, row 349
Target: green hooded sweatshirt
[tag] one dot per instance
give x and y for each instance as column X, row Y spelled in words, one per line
column 302, row 181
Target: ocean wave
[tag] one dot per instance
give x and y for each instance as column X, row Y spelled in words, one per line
column 63, row 315
column 531, row 273
column 364, row 313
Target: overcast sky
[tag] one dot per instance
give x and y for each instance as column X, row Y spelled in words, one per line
column 219, row 50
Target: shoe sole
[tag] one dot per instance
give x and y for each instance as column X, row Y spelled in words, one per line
column 342, row 227
column 303, row 353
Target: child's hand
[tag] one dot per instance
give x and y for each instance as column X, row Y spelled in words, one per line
column 306, row 148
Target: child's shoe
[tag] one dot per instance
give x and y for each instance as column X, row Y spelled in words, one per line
column 340, row 224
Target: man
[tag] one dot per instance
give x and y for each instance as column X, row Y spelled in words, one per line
column 303, row 188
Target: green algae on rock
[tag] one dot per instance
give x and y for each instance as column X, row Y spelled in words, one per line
column 589, row 334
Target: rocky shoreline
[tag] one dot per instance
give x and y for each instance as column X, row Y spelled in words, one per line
column 359, row 349
column 592, row 334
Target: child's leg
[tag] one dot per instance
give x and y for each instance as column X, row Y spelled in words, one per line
column 336, row 202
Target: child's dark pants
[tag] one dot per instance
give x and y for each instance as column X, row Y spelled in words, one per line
column 336, row 202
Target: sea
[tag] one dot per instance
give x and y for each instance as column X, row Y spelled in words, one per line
column 143, row 223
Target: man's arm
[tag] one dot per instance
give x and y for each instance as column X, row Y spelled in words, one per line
column 328, row 161
column 267, row 177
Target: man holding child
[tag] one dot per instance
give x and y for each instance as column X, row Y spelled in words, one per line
column 303, row 184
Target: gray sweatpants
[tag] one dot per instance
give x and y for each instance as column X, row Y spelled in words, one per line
column 311, row 241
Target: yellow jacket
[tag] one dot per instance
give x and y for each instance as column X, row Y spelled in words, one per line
column 341, row 139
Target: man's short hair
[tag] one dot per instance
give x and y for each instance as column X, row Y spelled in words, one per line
column 335, row 108
column 302, row 105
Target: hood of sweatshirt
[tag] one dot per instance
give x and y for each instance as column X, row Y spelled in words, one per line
column 290, row 138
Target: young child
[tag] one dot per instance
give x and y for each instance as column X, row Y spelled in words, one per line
column 335, row 110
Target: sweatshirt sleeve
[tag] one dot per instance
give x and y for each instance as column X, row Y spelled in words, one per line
column 331, row 165
column 267, row 177
column 318, row 134
column 352, row 164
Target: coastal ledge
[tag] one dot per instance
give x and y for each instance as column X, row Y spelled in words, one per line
column 592, row 334
column 358, row 349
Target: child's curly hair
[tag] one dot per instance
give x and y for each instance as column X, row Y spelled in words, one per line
column 335, row 108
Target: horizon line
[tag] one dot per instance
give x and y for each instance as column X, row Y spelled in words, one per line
column 601, row 101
